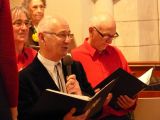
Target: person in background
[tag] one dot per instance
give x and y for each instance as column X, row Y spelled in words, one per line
column 36, row 10
column 54, row 38
column 99, row 59
column 21, row 24
column 8, row 67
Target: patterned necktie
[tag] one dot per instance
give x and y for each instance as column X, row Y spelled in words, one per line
column 59, row 76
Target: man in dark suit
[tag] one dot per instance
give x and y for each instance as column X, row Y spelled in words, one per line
column 54, row 39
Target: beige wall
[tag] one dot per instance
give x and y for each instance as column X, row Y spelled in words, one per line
column 137, row 24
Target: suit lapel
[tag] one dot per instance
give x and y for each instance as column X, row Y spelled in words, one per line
column 43, row 79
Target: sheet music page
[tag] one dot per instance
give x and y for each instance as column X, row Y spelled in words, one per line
column 86, row 98
column 145, row 78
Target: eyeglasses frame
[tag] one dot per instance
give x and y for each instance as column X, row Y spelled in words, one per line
column 70, row 36
column 103, row 36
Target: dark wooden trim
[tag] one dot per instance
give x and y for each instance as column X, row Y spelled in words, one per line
column 145, row 94
column 138, row 68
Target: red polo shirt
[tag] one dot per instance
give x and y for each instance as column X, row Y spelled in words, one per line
column 100, row 65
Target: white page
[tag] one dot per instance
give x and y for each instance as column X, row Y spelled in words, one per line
column 145, row 78
column 82, row 97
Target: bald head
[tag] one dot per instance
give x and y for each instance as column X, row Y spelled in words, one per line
column 102, row 20
column 51, row 22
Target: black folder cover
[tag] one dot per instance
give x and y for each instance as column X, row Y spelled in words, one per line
column 126, row 84
column 58, row 103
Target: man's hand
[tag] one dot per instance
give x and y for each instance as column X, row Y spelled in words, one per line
column 69, row 115
column 126, row 102
column 108, row 98
column 72, row 85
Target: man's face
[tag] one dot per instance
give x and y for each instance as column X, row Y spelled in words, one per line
column 58, row 40
column 102, row 36
column 20, row 27
column 36, row 10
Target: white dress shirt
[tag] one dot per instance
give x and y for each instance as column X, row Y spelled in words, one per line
column 50, row 66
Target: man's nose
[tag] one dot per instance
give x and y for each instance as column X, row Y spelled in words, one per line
column 68, row 39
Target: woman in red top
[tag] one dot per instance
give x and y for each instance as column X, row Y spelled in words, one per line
column 21, row 24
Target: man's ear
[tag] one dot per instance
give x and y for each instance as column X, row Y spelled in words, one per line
column 41, row 37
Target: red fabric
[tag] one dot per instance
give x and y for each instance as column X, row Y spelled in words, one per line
column 100, row 65
column 8, row 67
column 25, row 58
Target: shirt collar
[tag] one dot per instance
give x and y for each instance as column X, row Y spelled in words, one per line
column 89, row 47
column 93, row 51
column 46, row 61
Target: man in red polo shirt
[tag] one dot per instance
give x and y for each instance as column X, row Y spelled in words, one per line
column 99, row 59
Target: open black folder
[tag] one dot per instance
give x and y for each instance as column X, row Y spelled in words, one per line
column 58, row 103
column 126, row 84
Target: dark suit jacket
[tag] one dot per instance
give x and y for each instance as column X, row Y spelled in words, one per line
column 34, row 79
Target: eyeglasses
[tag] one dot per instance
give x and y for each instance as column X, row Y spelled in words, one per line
column 107, row 36
column 19, row 23
column 60, row 35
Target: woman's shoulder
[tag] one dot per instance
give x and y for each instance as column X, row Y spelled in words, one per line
column 29, row 50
